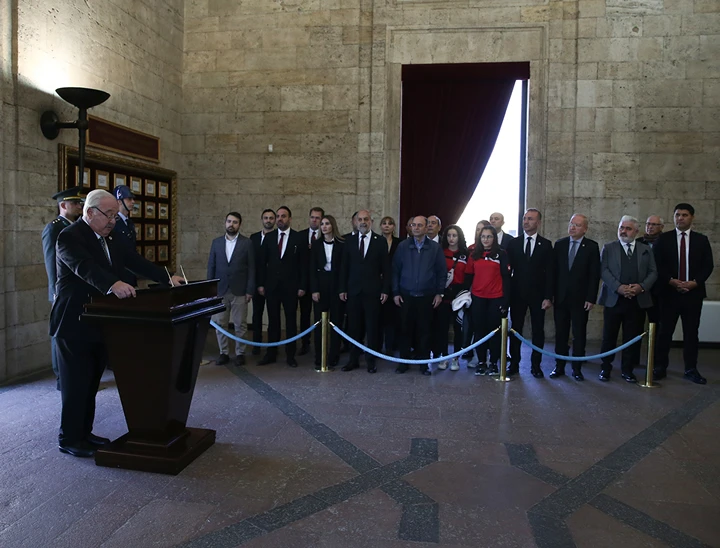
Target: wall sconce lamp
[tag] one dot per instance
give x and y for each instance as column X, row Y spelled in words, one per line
column 83, row 99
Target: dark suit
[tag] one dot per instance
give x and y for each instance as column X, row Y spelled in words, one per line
column 327, row 284
column 306, row 302
column 532, row 282
column 124, row 233
column 674, row 305
column 364, row 279
column 506, row 239
column 574, row 286
column 258, row 301
column 622, row 311
column 49, row 239
column 390, row 316
column 282, row 278
column 236, row 280
column 83, row 272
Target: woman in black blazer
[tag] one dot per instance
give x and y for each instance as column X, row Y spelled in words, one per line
column 390, row 319
column 325, row 261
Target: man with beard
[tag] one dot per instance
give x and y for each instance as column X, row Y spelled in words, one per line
column 628, row 272
column 232, row 261
column 258, row 301
column 283, row 274
column 70, row 205
column 311, row 233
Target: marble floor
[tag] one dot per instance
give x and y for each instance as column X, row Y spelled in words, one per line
column 349, row 459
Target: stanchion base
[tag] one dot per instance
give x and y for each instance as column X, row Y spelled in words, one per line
column 500, row 379
column 324, row 370
column 645, row 385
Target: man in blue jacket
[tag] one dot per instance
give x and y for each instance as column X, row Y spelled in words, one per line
column 419, row 275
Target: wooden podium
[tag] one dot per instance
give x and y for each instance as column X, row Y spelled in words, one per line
column 155, row 343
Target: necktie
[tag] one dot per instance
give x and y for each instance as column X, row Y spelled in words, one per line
column 573, row 252
column 280, row 243
column 105, row 249
column 312, row 239
column 629, row 252
column 683, row 258
column 528, row 248
column 362, row 245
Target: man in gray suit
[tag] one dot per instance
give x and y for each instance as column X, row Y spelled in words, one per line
column 232, row 261
column 628, row 272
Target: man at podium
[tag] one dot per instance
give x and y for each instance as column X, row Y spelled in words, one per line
column 89, row 263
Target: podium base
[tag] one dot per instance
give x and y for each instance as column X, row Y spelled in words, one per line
column 159, row 458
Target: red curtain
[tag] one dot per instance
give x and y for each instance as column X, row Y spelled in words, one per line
column 451, row 117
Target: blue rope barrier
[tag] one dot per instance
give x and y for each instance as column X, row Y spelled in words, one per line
column 253, row 343
column 413, row 362
column 577, row 358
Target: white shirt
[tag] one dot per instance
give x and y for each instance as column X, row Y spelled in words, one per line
column 687, row 252
column 285, row 240
column 436, row 239
column 310, row 235
column 230, row 246
column 533, row 240
column 328, row 246
column 365, row 242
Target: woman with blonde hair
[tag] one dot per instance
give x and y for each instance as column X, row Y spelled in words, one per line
column 390, row 318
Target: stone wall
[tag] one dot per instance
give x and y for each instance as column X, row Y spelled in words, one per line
column 131, row 50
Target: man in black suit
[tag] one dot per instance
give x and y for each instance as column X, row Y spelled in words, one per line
column 258, row 301
column 124, row 231
column 283, row 273
column 365, row 285
column 685, row 262
column 311, row 233
column 532, row 285
column 577, row 275
column 232, row 262
column 88, row 264
column 497, row 221
column 70, row 204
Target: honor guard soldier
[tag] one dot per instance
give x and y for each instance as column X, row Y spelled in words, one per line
column 124, row 230
column 70, row 204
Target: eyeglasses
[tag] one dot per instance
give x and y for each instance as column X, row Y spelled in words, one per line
column 105, row 214
column 486, row 237
column 576, row 226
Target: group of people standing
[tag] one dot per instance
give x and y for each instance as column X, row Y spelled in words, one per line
column 405, row 294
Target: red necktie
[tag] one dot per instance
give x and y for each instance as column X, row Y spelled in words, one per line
column 312, row 239
column 280, row 243
column 683, row 256
column 362, row 245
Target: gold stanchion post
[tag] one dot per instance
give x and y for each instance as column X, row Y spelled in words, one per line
column 503, row 351
column 651, row 357
column 325, row 337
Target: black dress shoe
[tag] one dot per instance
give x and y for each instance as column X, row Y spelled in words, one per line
column 604, row 376
column 222, row 359
column 304, row 349
column 629, row 377
column 695, row 377
column 239, row 360
column 81, row 449
column 578, row 376
column 256, row 350
column 557, row 372
column 97, row 440
column 401, row 368
column 659, row 374
column 267, row 359
column 537, row 373
column 372, row 369
column 512, row 370
column 292, row 362
column 349, row 367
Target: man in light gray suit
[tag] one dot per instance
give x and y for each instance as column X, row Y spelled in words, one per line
column 232, row 261
column 628, row 271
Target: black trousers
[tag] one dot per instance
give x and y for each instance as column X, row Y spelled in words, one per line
column 53, row 358
column 626, row 314
column 363, row 314
column 390, row 320
column 329, row 302
column 688, row 308
column 518, row 308
column 306, row 308
column 288, row 299
column 486, row 317
column 415, row 314
column 569, row 315
column 445, row 315
column 257, row 316
column 81, row 366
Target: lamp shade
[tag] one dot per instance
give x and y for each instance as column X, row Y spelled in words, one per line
column 83, row 97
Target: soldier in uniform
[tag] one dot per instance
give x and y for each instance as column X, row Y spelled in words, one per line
column 70, row 204
column 124, row 231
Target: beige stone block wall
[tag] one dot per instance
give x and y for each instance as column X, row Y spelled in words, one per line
column 134, row 52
